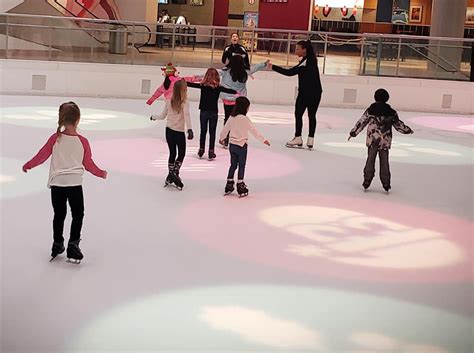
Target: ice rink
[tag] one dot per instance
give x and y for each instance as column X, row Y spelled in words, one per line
column 308, row 262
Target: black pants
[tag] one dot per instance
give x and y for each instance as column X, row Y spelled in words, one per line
column 176, row 142
column 60, row 195
column 208, row 118
column 303, row 103
column 228, row 109
column 369, row 170
column 238, row 159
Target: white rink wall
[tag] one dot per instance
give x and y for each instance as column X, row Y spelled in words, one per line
column 129, row 81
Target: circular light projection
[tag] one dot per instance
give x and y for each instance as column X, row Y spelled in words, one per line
column 404, row 149
column 15, row 183
column 273, row 318
column 153, row 160
column 91, row 119
column 449, row 123
column 337, row 237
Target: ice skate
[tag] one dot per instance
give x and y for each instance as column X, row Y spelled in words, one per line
column 229, row 187
column 242, row 189
column 212, row 155
column 296, row 142
column 57, row 249
column 169, row 178
column 201, row 153
column 74, row 253
column 387, row 188
column 175, row 176
column 310, row 143
column 366, row 184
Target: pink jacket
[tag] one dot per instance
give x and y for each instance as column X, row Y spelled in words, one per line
column 168, row 93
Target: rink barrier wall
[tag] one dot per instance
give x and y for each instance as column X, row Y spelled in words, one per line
column 27, row 77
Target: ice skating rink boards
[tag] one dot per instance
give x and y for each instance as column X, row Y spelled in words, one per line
column 308, row 262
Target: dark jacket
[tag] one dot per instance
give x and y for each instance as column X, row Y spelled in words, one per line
column 379, row 119
column 236, row 49
column 210, row 96
column 309, row 82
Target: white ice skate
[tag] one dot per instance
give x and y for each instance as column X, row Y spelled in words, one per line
column 296, row 142
column 310, row 142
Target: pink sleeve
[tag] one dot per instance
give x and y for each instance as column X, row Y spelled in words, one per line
column 192, row 78
column 156, row 95
column 87, row 162
column 43, row 153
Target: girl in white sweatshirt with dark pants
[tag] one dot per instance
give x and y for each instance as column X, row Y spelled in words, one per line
column 238, row 127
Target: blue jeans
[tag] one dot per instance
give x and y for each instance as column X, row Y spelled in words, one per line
column 238, row 158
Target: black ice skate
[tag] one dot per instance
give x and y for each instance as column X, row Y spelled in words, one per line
column 366, row 184
column 169, row 178
column 387, row 188
column 175, row 176
column 201, row 152
column 57, row 249
column 74, row 254
column 229, row 187
column 242, row 189
column 212, row 155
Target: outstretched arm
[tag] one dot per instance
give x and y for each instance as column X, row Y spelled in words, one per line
column 401, row 127
column 42, row 155
column 253, row 130
column 360, row 125
column 158, row 93
column 287, row 72
column 88, row 162
column 257, row 67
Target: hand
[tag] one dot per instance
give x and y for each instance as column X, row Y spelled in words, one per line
column 221, row 142
column 24, row 169
column 266, row 142
column 190, row 134
column 105, row 175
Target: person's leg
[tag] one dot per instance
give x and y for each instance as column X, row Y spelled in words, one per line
column 204, row 118
column 228, row 109
column 59, row 202
column 76, row 202
column 313, row 105
column 384, row 169
column 234, row 161
column 181, row 143
column 300, row 107
column 212, row 130
column 172, row 145
column 369, row 170
column 242, row 161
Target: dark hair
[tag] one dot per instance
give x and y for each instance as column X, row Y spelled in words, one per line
column 233, row 34
column 167, row 82
column 381, row 96
column 237, row 69
column 69, row 114
column 310, row 54
column 241, row 107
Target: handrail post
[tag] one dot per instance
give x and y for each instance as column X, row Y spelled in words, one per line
column 50, row 39
column 379, row 57
column 325, row 52
column 213, row 33
column 288, row 50
column 398, row 55
column 251, row 45
column 6, row 37
column 172, row 44
column 361, row 61
column 133, row 42
column 438, row 49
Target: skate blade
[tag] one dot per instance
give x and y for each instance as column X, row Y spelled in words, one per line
column 295, row 146
column 74, row 261
column 228, row 193
column 243, row 195
column 52, row 258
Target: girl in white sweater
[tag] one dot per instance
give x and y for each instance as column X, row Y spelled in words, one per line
column 238, row 126
column 176, row 112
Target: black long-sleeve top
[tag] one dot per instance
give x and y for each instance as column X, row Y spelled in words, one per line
column 210, row 95
column 309, row 82
column 236, row 49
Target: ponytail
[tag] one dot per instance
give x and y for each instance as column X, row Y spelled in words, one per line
column 167, row 82
column 310, row 54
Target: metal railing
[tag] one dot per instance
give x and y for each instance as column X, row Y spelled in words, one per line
column 66, row 39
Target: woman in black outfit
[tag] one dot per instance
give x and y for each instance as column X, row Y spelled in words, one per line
column 234, row 48
column 210, row 90
column 309, row 91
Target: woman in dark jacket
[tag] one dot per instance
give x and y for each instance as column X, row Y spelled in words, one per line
column 309, row 91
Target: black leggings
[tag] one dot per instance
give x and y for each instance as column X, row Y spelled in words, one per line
column 228, row 109
column 208, row 118
column 60, row 195
column 303, row 103
column 176, row 141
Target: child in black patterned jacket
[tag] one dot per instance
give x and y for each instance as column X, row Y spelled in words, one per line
column 379, row 119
